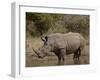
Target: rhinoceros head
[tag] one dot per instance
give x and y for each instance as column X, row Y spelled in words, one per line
column 45, row 49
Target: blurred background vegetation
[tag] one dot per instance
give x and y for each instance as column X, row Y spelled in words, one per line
column 38, row 24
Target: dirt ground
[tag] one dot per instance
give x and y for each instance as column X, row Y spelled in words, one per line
column 33, row 61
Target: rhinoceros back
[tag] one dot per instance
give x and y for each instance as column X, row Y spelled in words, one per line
column 70, row 41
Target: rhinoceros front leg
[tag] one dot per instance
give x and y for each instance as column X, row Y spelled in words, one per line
column 61, row 55
column 59, row 59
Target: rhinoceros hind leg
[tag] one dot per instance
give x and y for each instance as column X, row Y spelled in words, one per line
column 77, row 54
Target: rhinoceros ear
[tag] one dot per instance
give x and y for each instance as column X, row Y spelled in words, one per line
column 44, row 39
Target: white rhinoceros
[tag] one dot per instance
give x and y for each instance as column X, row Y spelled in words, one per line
column 62, row 44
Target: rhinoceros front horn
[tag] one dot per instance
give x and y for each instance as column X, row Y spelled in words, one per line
column 36, row 52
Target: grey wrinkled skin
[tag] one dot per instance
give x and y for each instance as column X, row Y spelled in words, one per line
column 61, row 45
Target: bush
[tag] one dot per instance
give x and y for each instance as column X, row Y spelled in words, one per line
column 38, row 24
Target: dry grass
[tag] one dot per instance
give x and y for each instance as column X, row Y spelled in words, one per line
column 35, row 43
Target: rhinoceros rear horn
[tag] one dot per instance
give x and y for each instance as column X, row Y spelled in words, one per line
column 35, row 52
